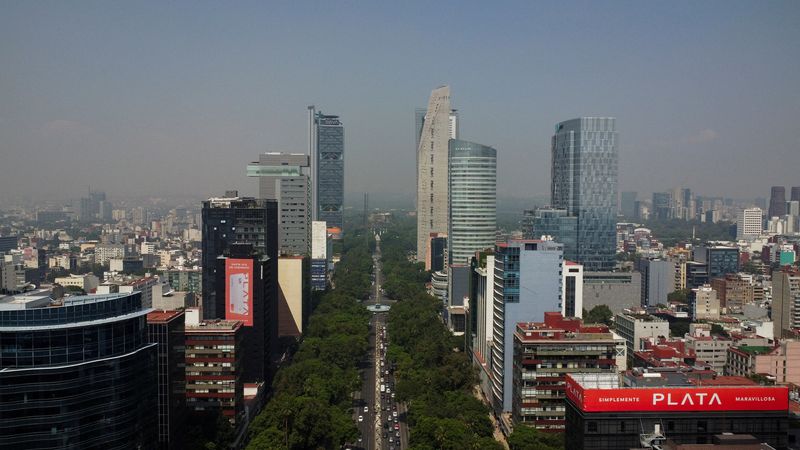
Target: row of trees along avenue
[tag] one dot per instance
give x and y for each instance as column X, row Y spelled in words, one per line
column 311, row 404
column 435, row 376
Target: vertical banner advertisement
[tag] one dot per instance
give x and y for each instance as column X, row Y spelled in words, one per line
column 239, row 292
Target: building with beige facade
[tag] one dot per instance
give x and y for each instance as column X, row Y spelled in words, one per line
column 433, row 135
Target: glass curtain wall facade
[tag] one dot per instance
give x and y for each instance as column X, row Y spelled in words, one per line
column 244, row 220
column 80, row 374
column 584, row 182
column 328, row 169
column 473, row 199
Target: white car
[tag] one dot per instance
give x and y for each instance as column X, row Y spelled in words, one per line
column 360, row 418
column 394, row 413
column 366, row 409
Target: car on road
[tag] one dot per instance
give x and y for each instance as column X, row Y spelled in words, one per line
column 394, row 413
column 396, row 434
column 360, row 418
column 366, row 409
column 397, row 426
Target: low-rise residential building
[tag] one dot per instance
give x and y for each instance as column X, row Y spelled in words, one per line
column 733, row 292
column 635, row 327
column 184, row 279
column 87, row 282
column 145, row 286
column 104, row 252
column 712, row 350
column 544, row 353
column 779, row 363
column 214, row 367
column 705, row 304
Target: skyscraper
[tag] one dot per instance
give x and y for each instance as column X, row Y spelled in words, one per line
column 473, row 199
column 284, row 177
column 628, row 204
column 777, row 202
column 436, row 130
column 326, row 147
column 795, row 194
column 584, row 182
column 233, row 219
column 78, row 372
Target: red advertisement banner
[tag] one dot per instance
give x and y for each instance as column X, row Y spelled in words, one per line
column 679, row 399
column 239, row 290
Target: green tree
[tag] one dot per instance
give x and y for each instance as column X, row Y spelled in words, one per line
column 528, row 438
column 679, row 296
column 598, row 314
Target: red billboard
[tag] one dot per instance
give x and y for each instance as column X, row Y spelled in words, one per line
column 679, row 398
column 239, row 290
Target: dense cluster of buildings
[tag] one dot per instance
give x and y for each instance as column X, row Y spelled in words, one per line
column 162, row 315
column 694, row 314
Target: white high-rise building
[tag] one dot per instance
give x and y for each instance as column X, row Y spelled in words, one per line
column 436, row 129
column 473, row 200
column 748, row 223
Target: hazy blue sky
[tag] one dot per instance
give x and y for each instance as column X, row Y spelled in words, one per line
column 144, row 98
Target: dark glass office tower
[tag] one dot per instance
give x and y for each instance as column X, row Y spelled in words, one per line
column 260, row 321
column 76, row 373
column 777, row 202
column 584, row 183
column 168, row 330
column 232, row 219
column 795, row 194
column 326, row 138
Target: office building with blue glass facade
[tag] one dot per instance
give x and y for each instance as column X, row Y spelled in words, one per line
column 584, row 183
column 78, row 372
column 326, row 138
column 527, row 283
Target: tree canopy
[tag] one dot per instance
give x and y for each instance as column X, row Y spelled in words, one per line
column 311, row 403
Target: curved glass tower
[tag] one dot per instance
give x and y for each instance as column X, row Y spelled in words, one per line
column 473, row 199
column 76, row 374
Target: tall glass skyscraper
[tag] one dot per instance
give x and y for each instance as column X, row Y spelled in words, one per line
column 584, row 183
column 473, row 199
column 326, row 142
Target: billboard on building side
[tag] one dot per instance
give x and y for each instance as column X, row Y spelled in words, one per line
column 239, row 290
column 679, row 398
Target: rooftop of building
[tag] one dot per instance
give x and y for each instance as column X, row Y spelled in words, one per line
column 41, row 299
column 214, row 325
column 557, row 327
column 163, row 315
column 33, row 299
column 657, row 377
column 641, row 317
column 755, row 349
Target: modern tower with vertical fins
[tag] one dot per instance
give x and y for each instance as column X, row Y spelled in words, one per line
column 435, row 128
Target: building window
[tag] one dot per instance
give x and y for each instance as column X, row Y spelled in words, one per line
column 591, row 427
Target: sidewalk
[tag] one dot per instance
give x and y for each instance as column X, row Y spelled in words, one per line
column 496, row 432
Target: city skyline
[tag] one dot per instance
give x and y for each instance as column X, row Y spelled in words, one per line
column 193, row 101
